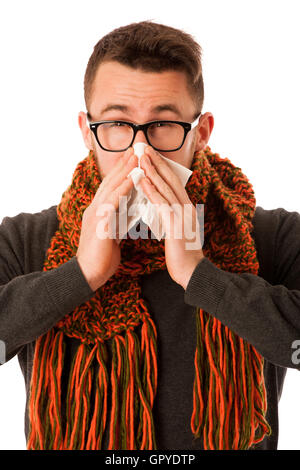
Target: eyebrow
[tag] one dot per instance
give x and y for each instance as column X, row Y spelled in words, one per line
column 156, row 109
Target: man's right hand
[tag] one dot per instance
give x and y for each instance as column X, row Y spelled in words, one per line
column 99, row 257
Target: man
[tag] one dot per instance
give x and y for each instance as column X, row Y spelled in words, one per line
column 142, row 343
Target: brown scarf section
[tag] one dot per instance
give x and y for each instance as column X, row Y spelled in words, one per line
column 117, row 350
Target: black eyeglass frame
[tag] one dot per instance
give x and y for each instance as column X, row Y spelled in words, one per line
column 187, row 127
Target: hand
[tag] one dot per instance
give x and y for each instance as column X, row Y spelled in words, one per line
column 166, row 190
column 99, row 255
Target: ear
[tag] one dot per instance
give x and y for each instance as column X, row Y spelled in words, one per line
column 203, row 131
column 85, row 130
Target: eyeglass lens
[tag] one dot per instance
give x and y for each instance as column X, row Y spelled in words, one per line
column 117, row 136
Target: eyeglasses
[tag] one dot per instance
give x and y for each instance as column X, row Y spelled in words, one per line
column 163, row 136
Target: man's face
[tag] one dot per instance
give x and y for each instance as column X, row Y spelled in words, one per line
column 123, row 93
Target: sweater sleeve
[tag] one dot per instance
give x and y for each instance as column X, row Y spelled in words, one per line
column 31, row 303
column 265, row 314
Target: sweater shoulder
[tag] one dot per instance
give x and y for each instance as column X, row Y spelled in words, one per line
column 23, row 218
column 275, row 232
column 272, row 221
column 24, row 239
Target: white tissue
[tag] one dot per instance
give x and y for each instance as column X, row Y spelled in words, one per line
column 138, row 205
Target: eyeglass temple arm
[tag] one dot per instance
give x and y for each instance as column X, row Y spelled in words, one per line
column 195, row 123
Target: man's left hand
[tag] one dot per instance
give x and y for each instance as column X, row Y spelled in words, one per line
column 179, row 217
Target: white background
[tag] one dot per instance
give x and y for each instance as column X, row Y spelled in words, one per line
column 251, row 73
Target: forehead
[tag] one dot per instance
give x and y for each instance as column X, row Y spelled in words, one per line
column 115, row 83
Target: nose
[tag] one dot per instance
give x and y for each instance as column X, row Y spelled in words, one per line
column 140, row 137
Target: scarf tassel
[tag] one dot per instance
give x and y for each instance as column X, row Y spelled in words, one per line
column 229, row 396
column 133, row 385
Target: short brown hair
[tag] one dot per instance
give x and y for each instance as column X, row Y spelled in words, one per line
column 151, row 47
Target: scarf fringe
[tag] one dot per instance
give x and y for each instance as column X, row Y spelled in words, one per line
column 133, row 382
column 229, row 396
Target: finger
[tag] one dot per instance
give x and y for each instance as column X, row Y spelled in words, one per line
column 112, row 203
column 166, row 172
column 122, row 190
column 161, row 185
column 108, row 210
column 166, row 212
column 177, row 209
column 120, row 165
column 154, row 195
column 117, row 178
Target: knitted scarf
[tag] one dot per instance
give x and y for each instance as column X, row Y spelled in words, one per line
column 112, row 382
